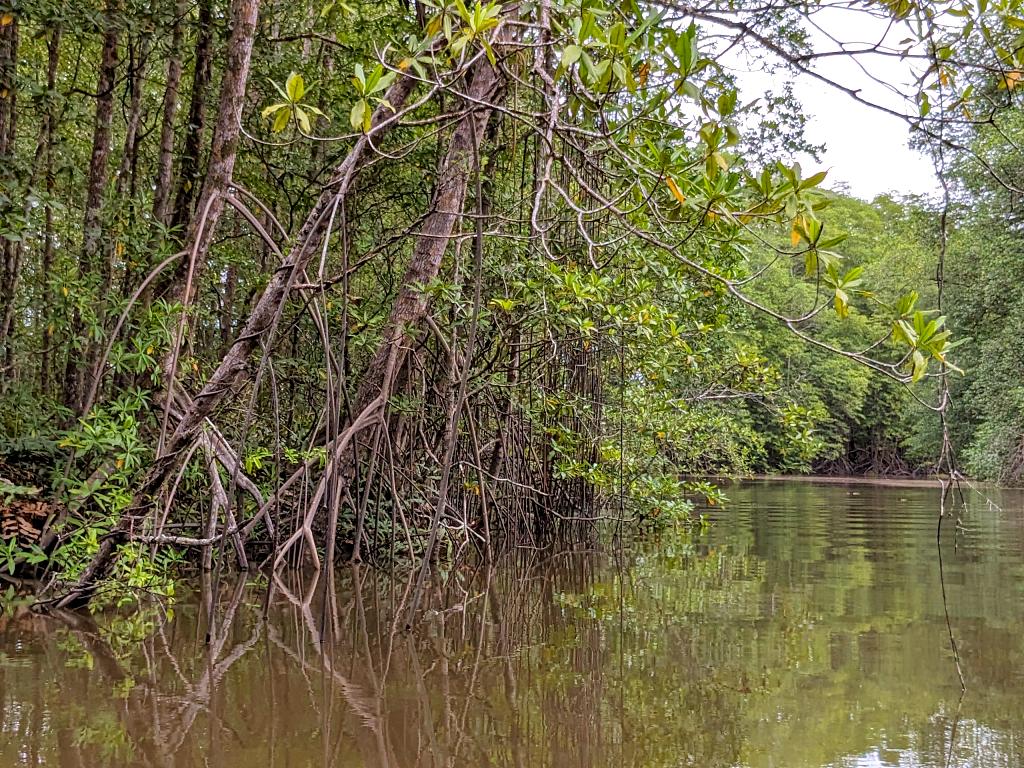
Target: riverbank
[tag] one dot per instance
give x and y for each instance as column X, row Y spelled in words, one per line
column 887, row 482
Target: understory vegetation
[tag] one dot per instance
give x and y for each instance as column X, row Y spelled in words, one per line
column 286, row 283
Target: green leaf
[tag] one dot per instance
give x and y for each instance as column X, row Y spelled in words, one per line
column 570, row 56
column 281, row 121
column 814, row 180
column 381, row 80
column 919, row 366
column 810, row 262
column 295, row 87
column 902, row 332
column 619, row 70
column 279, row 89
column 905, row 304
column 490, row 53
column 356, row 117
column 726, row 102
column 268, row 111
column 852, row 277
column 841, row 302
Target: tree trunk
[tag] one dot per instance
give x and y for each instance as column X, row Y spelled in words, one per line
column 92, row 226
column 138, row 53
column 224, row 145
column 9, row 266
column 446, row 211
column 163, row 183
column 53, row 59
column 165, row 162
column 188, row 171
column 123, row 193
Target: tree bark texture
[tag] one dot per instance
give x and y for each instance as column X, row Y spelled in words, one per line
column 9, row 267
column 92, row 225
column 188, row 171
column 169, row 112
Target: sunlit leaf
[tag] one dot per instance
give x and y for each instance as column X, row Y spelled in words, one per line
column 356, row 117
column 284, row 117
column 919, row 365
column 676, row 192
column 268, row 111
column 295, row 87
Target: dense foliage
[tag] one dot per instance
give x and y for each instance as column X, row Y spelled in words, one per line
column 286, row 277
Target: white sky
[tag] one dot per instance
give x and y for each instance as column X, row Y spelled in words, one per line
column 865, row 148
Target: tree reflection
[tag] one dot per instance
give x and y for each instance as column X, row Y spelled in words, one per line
column 790, row 641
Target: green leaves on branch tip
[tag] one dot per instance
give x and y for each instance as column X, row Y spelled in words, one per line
column 292, row 109
column 295, row 88
column 927, row 339
column 842, row 285
column 462, row 25
column 378, row 80
column 609, row 56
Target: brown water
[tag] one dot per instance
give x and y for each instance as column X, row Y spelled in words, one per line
column 804, row 629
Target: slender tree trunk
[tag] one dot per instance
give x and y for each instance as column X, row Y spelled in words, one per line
column 163, row 183
column 165, row 162
column 446, row 211
column 9, row 266
column 92, row 226
column 219, row 170
column 40, row 163
column 53, row 59
column 224, row 146
column 8, row 86
column 115, row 257
column 127, row 209
column 188, row 170
column 139, row 52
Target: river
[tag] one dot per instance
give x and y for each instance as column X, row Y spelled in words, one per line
column 805, row 627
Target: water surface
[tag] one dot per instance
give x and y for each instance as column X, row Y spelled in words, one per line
column 806, row 628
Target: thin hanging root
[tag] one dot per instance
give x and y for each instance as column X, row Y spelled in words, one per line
column 218, row 501
column 217, row 445
column 232, row 464
column 221, row 503
column 262, row 321
column 340, row 472
column 169, row 502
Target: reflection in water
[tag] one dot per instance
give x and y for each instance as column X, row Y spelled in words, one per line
column 805, row 629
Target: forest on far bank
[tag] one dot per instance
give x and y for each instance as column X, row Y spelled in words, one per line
column 850, row 420
column 289, row 282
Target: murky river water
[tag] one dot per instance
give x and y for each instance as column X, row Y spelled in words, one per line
column 806, row 628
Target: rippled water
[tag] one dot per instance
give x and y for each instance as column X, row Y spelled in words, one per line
column 806, row 628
